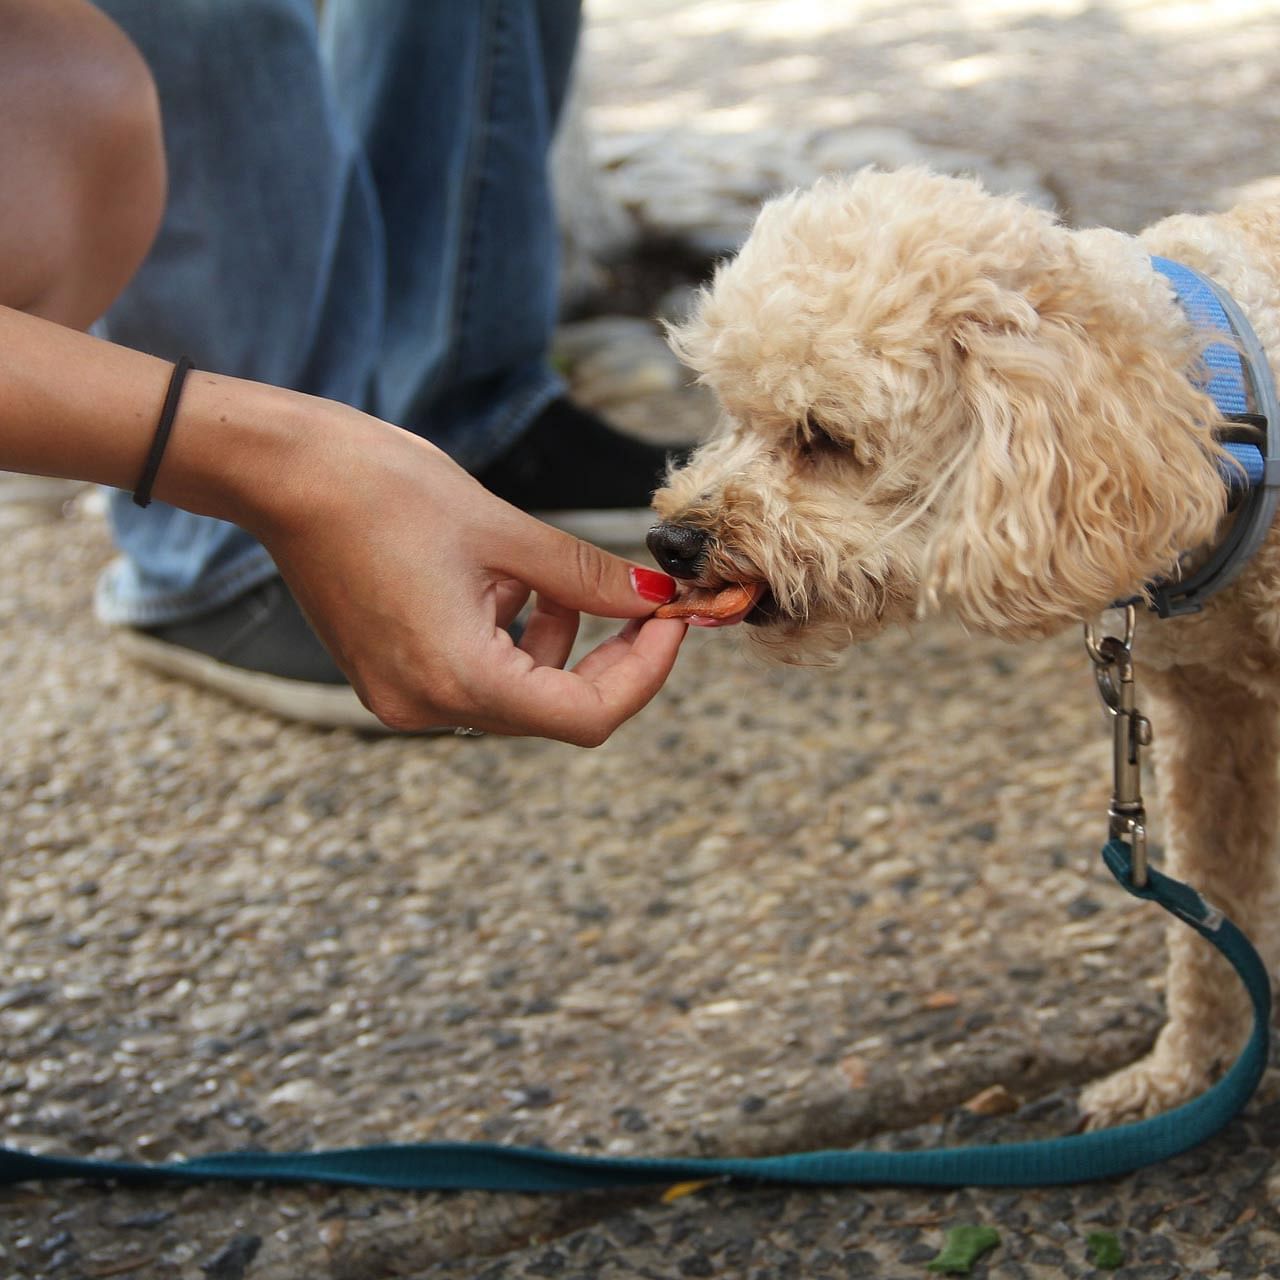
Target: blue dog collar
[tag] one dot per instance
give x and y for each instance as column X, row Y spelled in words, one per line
column 1238, row 378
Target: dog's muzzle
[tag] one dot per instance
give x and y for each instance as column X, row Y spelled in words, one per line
column 681, row 549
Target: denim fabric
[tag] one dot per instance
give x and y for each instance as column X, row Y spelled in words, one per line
column 359, row 211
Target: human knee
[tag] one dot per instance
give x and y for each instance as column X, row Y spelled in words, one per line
column 121, row 166
column 84, row 135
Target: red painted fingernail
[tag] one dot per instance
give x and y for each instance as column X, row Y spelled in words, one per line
column 653, row 585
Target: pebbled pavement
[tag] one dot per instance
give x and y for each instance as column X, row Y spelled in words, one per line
column 782, row 909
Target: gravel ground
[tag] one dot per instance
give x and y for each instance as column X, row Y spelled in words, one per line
column 781, row 909
column 1123, row 110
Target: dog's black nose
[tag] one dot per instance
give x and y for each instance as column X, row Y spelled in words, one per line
column 679, row 548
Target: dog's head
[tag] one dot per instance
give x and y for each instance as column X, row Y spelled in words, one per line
column 935, row 398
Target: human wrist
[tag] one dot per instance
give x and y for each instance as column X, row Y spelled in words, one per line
column 234, row 447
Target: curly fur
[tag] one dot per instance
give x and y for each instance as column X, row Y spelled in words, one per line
column 937, row 400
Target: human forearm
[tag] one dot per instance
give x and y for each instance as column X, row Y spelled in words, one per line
column 77, row 407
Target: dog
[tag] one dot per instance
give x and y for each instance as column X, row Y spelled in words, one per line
column 936, row 400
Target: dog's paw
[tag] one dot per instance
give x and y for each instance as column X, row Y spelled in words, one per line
column 1148, row 1087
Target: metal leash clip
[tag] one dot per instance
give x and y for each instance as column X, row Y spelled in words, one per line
column 1131, row 731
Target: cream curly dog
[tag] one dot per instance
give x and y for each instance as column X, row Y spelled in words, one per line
column 936, row 400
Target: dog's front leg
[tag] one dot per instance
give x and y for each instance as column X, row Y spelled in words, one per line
column 1217, row 747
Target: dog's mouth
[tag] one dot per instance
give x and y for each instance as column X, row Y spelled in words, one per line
column 721, row 605
column 764, row 611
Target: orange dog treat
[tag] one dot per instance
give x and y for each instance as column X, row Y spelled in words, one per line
column 702, row 602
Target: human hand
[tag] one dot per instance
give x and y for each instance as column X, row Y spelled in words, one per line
column 411, row 572
column 408, row 569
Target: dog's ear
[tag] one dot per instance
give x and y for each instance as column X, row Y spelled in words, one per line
column 1085, row 466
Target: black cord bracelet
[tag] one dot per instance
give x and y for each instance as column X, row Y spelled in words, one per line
column 142, row 492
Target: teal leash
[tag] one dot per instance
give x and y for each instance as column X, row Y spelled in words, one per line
column 488, row 1167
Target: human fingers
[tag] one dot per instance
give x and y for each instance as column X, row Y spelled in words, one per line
column 577, row 574
column 584, row 707
column 592, row 666
column 549, row 633
column 509, row 598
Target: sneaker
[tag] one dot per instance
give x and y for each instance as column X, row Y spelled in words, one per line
column 259, row 650
column 572, row 469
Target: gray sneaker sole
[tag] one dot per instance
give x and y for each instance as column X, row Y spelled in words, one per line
column 325, row 706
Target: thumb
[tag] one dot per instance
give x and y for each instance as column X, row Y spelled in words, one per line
column 581, row 576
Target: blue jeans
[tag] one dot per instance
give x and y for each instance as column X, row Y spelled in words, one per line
column 359, row 210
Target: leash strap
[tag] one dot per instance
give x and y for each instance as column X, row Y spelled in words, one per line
column 488, row 1167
